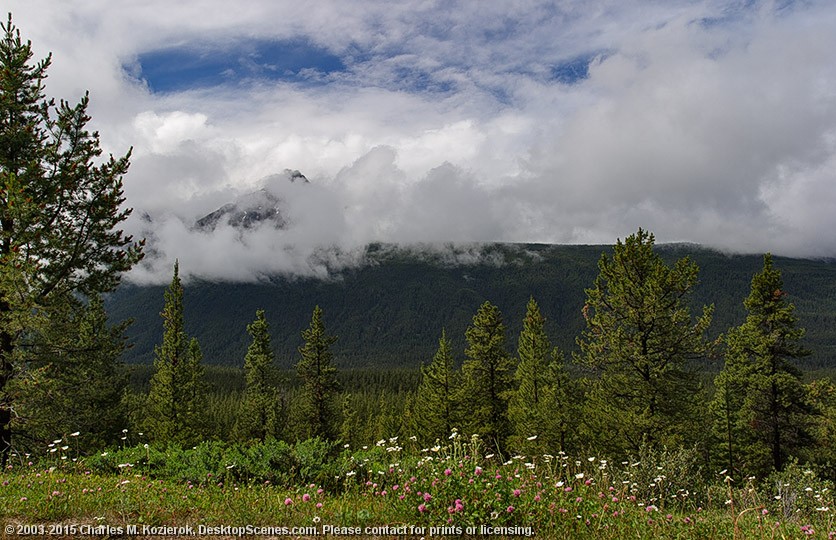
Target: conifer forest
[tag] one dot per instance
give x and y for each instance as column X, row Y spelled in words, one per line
column 621, row 403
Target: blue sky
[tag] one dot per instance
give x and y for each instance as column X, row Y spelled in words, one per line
column 207, row 65
column 708, row 121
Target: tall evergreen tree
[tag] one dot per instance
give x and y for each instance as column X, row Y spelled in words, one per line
column 194, row 395
column 174, row 400
column 319, row 379
column 763, row 410
column 258, row 417
column 527, row 408
column 59, row 212
column 539, row 405
column 436, row 403
column 487, row 377
column 638, row 338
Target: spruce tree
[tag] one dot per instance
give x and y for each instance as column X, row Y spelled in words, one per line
column 487, row 377
column 538, row 407
column 76, row 384
column 319, row 380
column 763, row 410
column 60, row 208
column 527, row 407
column 638, row 340
column 258, row 415
column 173, row 411
column 436, row 407
column 194, row 395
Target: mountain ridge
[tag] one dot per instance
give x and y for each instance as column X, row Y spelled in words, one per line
column 390, row 310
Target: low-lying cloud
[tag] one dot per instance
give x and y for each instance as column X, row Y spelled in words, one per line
column 711, row 122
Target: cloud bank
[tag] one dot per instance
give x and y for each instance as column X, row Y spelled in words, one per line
column 563, row 122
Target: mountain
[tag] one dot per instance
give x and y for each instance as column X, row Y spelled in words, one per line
column 252, row 209
column 391, row 310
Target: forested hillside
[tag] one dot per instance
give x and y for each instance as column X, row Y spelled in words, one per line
column 391, row 310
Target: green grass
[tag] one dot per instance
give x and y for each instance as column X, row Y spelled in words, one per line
column 454, row 488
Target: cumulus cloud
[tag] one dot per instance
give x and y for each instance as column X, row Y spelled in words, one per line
column 711, row 122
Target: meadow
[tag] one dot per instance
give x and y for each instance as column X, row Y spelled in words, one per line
column 393, row 488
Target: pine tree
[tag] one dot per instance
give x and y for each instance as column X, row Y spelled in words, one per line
column 527, row 408
column 76, row 386
column 436, row 405
column 763, row 410
column 538, row 407
column 319, row 379
column 194, row 395
column 174, row 400
column 639, row 337
column 60, row 208
column 487, row 377
column 258, row 416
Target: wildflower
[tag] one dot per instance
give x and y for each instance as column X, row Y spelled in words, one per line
column 478, row 471
column 75, row 434
column 422, row 508
column 427, row 497
column 533, row 437
column 317, row 519
column 510, row 509
column 651, row 508
column 447, row 472
column 306, row 497
column 319, row 505
column 517, row 493
column 288, row 501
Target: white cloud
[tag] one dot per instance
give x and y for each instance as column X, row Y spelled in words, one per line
column 709, row 122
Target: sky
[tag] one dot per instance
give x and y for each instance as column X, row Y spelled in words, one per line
column 429, row 122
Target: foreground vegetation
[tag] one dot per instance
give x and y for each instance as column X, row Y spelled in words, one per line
column 396, row 484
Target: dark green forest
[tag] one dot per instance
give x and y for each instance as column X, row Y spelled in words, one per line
column 390, row 311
